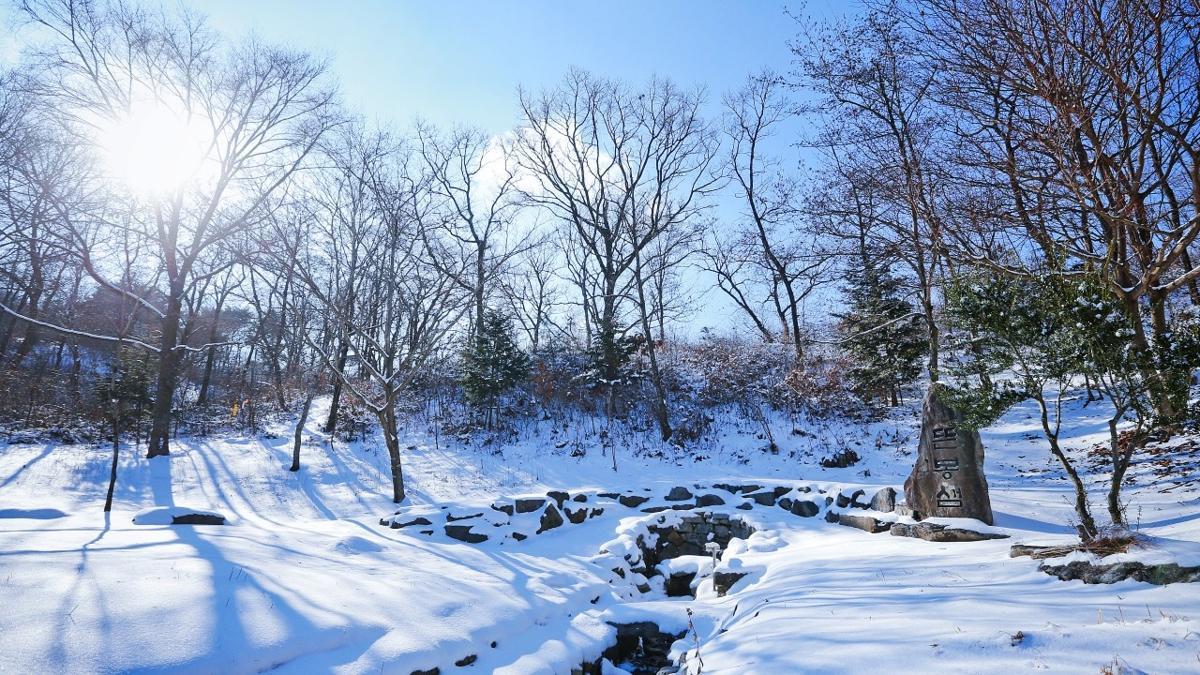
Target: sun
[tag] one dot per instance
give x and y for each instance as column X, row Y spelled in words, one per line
column 153, row 149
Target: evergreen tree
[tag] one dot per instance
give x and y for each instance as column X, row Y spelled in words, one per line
column 880, row 333
column 493, row 362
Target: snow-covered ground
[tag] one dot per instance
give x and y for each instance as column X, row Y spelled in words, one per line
column 305, row 579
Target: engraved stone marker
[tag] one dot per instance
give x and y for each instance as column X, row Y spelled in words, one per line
column 947, row 480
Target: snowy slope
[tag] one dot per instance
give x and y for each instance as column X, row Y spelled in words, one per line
column 304, row 579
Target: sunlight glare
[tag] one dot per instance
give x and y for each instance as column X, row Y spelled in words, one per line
column 153, row 149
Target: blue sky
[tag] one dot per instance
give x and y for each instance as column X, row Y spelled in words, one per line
column 462, row 61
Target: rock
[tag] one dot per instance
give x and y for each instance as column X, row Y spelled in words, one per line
column 506, row 509
column 596, row 511
column 780, row 491
column 947, row 480
column 903, row 509
column 579, row 498
column 786, row 503
column 737, row 489
column 744, row 506
column 608, row 495
column 709, row 500
column 856, row 499
column 396, row 524
column 1035, row 552
column 519, row 536
column 766, row 498
column 558, row 496
column 632, row 501
column 842, row 501
column 864, row 523
column 464, row 533
column 1089, row 573
column 450, row 517
column 656, row 509
column 431, row 671
column 576, row 516
column 529, row 505
column 884, row 500
column 724, row 580
column 198, row 519
column 466, row 660
column 678, row 494
column 831, row 516
column 804, row 508
column 683, row 507
column 942, row 533
column 551, row 519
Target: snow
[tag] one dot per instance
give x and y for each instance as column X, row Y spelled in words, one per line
column 306, row 580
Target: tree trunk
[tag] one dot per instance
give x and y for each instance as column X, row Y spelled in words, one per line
column 210, row 358
column 168, row 359
column 1087, row 524
column 331, row 421
column 308, row 399
column 1120, row 460
column 387, row 422
column 112, row 474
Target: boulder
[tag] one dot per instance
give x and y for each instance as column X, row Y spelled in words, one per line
column 679, row 494
column 506, row 509
column 608, row 495
column 576, row 516
column 397, row 523
column 1090, row 573
column 884, row 500
column 804, row 508
column 942, row 533
column 451, row 517
column 529, row 505
column 596, row 511
column 737, row 489
column 198, row 519
column 709, row 500
column 947, row 480
column 579, row 498
column 744, row 506
column 856, row 498
column 864, row 523
column 558, row 496
column 464, row 533
column 765, row 498
column 551, row 519
column 632, row 501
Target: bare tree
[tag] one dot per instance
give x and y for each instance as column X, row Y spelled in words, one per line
column 878, row 113
column 1089, row 111
column 371, row 205
column 473, row 179
column 619, row 168
column 259, row 110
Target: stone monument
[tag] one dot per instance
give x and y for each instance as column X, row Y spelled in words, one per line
column 947, row 480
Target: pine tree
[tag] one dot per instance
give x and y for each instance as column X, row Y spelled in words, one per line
column 885, row 343
column 493, row 362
